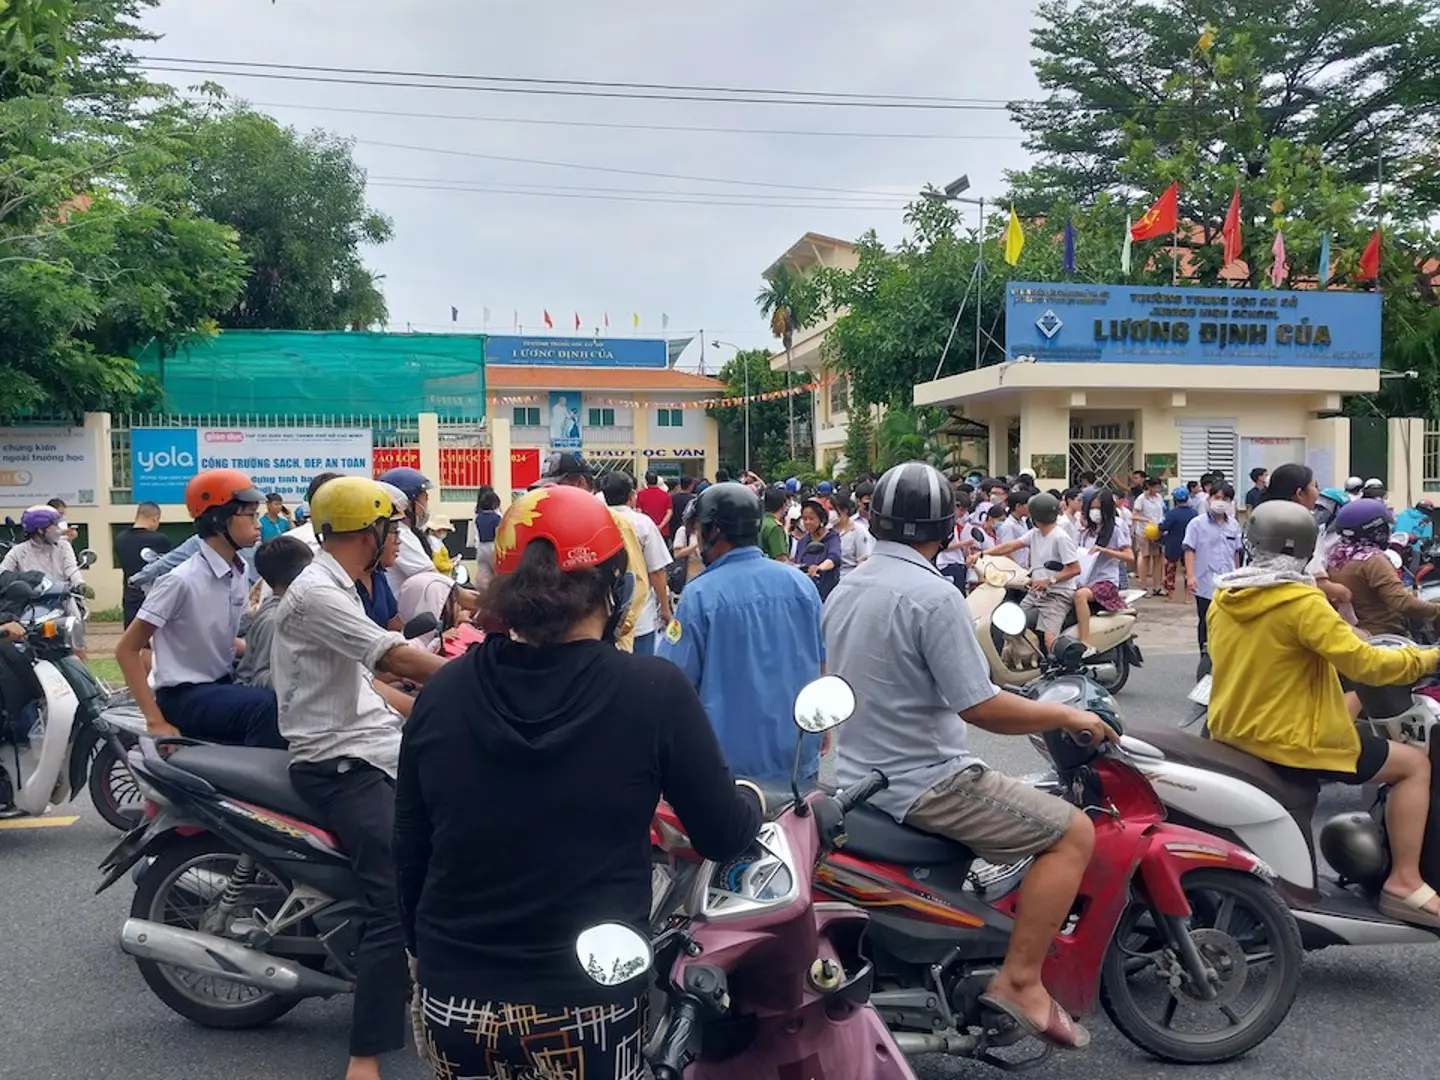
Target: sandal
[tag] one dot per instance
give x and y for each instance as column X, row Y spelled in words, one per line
column 1411, row 909
column 1061, row 1031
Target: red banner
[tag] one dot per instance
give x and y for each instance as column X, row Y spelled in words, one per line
column 462, row 466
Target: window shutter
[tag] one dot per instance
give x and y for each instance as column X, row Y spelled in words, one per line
column 1205, row 446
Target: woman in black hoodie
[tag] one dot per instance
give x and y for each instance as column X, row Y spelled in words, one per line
column 529, row 774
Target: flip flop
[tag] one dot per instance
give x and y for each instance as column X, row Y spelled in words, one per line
column 1411, row 909
column 1061, row 1031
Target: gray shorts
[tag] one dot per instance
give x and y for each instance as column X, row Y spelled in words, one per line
column 1054, row 606
column 1002, row 820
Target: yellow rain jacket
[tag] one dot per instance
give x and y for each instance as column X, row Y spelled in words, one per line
column 1274, row 691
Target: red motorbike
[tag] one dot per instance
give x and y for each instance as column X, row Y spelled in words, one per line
column 1178, row 935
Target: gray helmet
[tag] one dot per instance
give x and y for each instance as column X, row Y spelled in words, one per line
column 913, row 503
column 1044, row 508
column 1281, row 528
column 1354, row 845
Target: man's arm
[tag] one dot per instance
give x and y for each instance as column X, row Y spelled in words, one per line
column 1011, row 714
column 326, row 617
column 1006, row 548
column 167, row 562
column 133, row 641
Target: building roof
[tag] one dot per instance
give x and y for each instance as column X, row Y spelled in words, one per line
column 803, row 253
column 505, row 377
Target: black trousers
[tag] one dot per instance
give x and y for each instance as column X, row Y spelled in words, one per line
column 356, row 802
column 1202, row 605
column 223, row 712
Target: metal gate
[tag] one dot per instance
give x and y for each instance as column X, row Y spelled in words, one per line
column 1369, row 448
column 1106, row 458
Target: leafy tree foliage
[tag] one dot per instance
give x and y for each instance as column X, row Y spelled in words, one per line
column 769, row 420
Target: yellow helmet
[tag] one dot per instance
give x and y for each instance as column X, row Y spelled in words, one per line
column 350, row 504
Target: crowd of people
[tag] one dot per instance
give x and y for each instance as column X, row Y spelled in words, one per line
column 638, row 642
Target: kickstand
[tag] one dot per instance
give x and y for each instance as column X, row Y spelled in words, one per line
column 987, row 1055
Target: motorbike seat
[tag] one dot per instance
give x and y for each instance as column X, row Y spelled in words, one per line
column 874, row 834
column 252, row 773
column 1299, row 797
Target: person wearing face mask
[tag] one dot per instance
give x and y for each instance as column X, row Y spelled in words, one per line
column 1106, row 540
column 1212, row 547
column 46, row 550
column 747, row 615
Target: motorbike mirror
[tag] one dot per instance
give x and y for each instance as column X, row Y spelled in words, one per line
column 815, row 548
column 420, row 625
column 1394, row 557
column 977, row 534
column 1055, row 564
column 825, row 703
column 148, row 555
column 460, row 574
column 87, row 559
column 613, row 954
column 1009, row 619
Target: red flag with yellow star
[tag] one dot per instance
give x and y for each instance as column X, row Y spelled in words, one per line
column 1162, row 219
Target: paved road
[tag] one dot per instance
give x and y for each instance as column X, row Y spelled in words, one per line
column 72, row 1006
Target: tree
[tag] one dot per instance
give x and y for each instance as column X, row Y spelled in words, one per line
column 792, row 302
column 90, row 269
column 859, row 439
column 298, row 205
column 768, row 419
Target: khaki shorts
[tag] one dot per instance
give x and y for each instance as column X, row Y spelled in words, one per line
column 1054, row 606
column 1002, row 820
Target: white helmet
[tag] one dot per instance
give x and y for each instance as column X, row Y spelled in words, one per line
column 1354, row 484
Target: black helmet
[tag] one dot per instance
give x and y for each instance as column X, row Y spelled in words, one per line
column 913, row 503
column 732, row 508
column 1044, row 509
column 1280, row 527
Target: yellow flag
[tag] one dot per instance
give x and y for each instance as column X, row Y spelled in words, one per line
column 1014, row 239
column 635, row 320
column 1207, row 38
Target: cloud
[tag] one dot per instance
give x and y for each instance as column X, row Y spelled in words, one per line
column 559, row 250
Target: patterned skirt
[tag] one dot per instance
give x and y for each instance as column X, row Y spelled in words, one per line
column 466, row 1039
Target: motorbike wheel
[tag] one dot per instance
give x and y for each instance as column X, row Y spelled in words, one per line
column 176, row 890
column 1242, row 929
column 1122, row 672
column 113, row 789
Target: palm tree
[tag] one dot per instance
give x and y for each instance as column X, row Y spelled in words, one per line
column 791, row 302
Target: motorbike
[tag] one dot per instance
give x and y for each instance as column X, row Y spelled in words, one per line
column 62, row 731
column 243, row 906
column 762, row 977
column 1179, row 936
column 1233, row 796
column 1015, row 661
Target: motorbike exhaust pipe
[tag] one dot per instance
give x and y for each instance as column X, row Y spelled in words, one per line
column 224, row 959
column 911, row 1043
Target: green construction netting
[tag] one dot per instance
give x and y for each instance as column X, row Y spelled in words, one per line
column 294, row 373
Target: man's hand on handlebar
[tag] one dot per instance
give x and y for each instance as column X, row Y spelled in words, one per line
column 1087, row 729
column 12, row 631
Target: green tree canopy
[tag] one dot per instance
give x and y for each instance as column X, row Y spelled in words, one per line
column 769, row 420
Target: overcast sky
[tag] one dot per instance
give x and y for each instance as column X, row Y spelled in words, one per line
column 700, row 264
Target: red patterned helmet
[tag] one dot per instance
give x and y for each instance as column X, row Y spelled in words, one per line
column 578, row 525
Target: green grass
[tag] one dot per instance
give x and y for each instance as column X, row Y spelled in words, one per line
column 109, row 614
column 106, row 668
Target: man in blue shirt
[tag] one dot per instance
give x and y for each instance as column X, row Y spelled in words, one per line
column 747, row 633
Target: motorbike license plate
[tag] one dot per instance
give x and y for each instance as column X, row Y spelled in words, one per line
column 1201, row 692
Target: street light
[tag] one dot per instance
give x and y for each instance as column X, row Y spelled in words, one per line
column 953, row 192
column 732, row 345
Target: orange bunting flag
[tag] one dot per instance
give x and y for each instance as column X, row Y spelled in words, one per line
column 1161, row 219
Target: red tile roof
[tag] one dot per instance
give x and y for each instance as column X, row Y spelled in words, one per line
column 506, row 377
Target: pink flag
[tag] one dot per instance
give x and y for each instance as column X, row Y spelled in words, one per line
column 1279, row 269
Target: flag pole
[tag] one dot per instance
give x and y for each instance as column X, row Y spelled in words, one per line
column 1175, row 253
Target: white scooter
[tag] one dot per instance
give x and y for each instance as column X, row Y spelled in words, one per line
column 1225, row 792
column 1015, row 661
column 61, row 729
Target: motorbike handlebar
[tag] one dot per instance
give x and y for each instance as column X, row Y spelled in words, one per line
column 864, row 791
column 671, row 1059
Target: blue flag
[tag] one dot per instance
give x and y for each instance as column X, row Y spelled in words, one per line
column 1324, row 272
column 1069, row 247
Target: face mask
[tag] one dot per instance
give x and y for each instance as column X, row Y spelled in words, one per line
column 422, row 515
column 1220, row 508
column 1095, row 516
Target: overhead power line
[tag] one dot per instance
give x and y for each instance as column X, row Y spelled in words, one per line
column 648, row 199
column 476, row 183
column 593, row 85
column 222, row 68
column 618, row 125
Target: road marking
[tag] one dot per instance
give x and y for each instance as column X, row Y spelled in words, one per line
column 37, row 822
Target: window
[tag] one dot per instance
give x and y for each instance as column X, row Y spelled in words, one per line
column 839, row 396
column 522, row 417
column 1207, row 445
column 1430, row 473
column 672, row 418
column 602, row 417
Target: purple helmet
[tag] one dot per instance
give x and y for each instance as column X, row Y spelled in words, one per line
column 39, row 518
column 1365, row 519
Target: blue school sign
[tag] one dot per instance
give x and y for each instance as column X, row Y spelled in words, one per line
column 1063, row 322
column 575, row 352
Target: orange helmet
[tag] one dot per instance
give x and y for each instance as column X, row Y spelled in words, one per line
column 219, row 487
column 574, row 521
